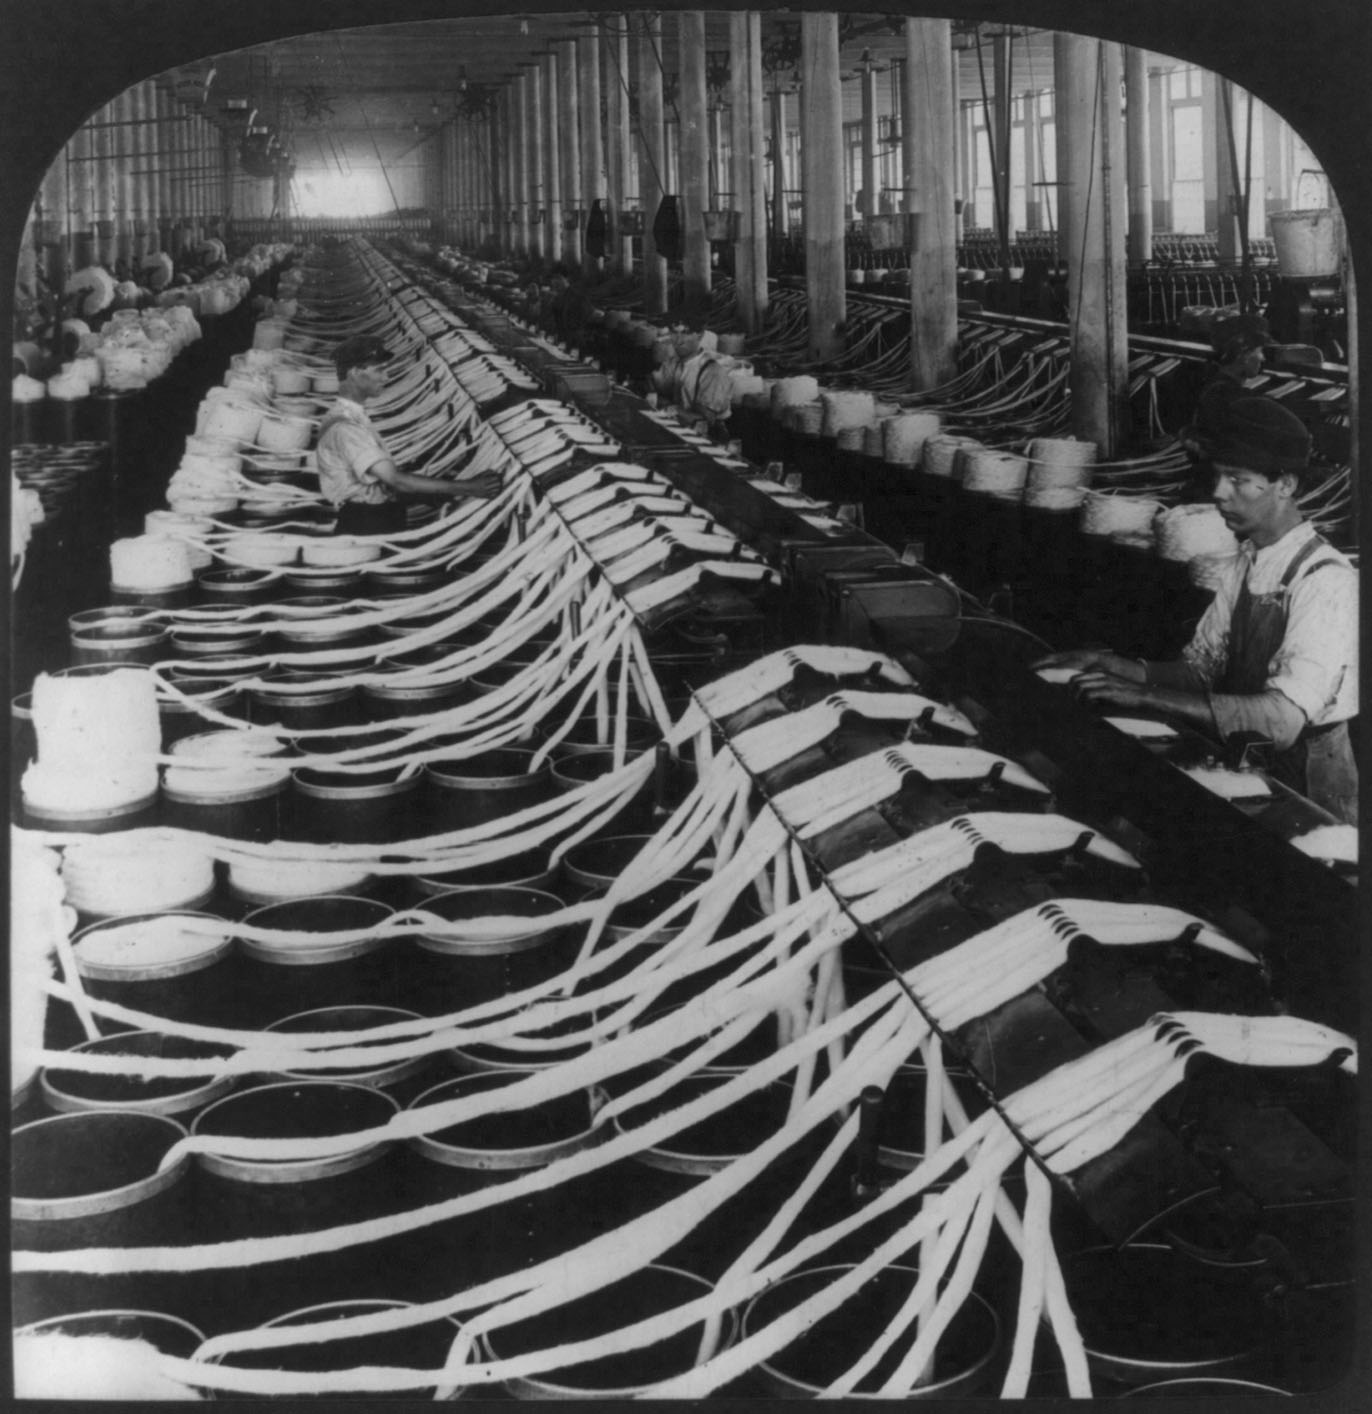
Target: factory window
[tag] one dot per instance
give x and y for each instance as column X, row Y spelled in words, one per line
column 357, row 193
column 981, row 181
column 1187, row 133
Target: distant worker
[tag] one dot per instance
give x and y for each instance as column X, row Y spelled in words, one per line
column 357, row 474
column 1238, row 342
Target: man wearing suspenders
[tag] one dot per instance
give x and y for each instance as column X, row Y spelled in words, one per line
column 1277, row 650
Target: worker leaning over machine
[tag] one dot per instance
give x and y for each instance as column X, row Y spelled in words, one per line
column 357, row 475
column 691, row 373
column 1277, row 650
column 1238, row 342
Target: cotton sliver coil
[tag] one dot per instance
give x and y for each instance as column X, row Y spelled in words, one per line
column 188, row 529
column 851, row 439
column 791, row 392
column 285, row 434
column 67, row 387
column 1060, row 461
column 149, row 562
column 266, row 880
column 338, row 553
column 1184, row 532
column 262, row 549
column 1054, row 498
column 1118, row 515
column 807, row 418
column 846, row 409
column 174, row 941
column 993, row 472
column 941, row 453
column 1209, row 571
column 135, row 873
column 289, row 380
column 97, row 739
column 222, row 764
column 905, row 435
column 198, row 505
column 744, row 384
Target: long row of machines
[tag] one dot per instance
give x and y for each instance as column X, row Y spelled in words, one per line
column 531, row 951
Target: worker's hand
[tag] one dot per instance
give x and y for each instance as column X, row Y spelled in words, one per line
column 1107, row 689
column 482, row 486
column 1079, row 659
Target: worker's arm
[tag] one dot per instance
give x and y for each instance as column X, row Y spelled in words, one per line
column 483, row 486
column 1086, row 660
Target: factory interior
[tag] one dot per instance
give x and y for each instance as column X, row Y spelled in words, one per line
column 684, row 701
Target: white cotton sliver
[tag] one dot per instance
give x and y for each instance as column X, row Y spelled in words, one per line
column 53, row 1365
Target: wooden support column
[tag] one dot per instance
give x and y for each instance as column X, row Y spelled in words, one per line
column 652, row 165
column 81, row 196
column 747, row 176
column 960, row 165
column 533, row 146
column 781, row 216
column 196, row 180
column 1137, row 142
column 52, row 242
column 928, row 142
column 519, row 175
column 509, row 193
column 695, row 163
column 871, row 197
column 166, row 201
column 592, row 139
column 495, row 147
column 174, row 136
column 1226, row 150
column 1088, row 73
column 122, row 183
column 821, row 151
column 129, row 140
column 155, row 160
column 222, row 147
column 569, row 136
column 144, row 172
column 552, row 155
column 616, row 37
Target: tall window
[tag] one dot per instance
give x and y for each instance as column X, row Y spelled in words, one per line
column 981, row 183
column 1186, row 138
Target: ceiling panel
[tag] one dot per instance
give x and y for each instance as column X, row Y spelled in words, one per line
column 344, row 85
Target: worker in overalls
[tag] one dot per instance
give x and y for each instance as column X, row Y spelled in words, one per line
column 1238, row 342
column 1277, row 650
column 357, row 475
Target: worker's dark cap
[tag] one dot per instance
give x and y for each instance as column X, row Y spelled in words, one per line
column 1240, row 332
column 1259, row 435
column 352, row 353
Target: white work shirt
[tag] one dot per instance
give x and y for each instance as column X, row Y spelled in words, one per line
column 349, row 446
column 1316, row 666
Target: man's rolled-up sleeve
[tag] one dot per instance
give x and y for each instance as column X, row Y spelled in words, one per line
column 1319, row 651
